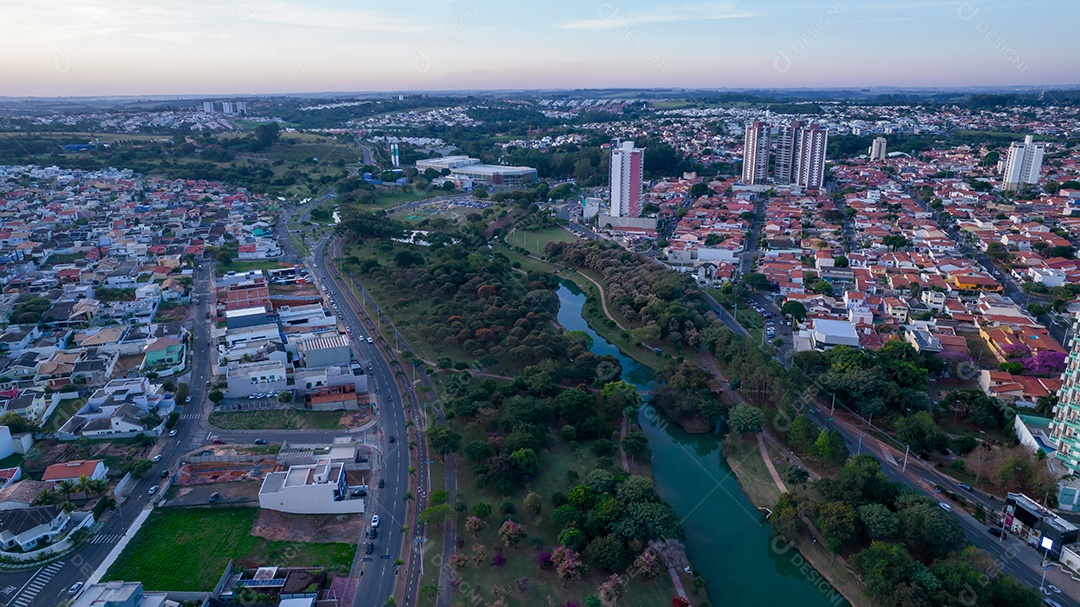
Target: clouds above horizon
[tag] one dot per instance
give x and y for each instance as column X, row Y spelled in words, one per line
column 99, row 47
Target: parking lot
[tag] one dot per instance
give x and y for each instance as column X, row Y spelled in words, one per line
column 250, row 404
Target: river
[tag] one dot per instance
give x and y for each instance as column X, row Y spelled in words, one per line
column 727, row 539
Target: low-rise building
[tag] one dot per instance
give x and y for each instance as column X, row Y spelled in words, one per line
column 94, row 469
column 1038, row 525
column 319, row 488
column 245, row 379
column 29, row 528
column 120, row 594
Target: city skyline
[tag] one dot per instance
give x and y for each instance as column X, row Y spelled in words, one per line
column 118, row 47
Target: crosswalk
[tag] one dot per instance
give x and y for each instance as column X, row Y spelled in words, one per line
column 106, row 538
column 37, row 583
column 190, row 416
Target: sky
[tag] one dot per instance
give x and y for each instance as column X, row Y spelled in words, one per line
column 192, row 47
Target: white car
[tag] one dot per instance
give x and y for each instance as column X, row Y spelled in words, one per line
column 75, row 588
column 945, row 507
column 370, row 341
column 172, row 433
column 153, row 490
column 156, row 458
column 375, row 521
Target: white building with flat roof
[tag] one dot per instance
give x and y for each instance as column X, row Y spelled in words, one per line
column 319, row 488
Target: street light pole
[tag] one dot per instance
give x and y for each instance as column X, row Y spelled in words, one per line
column 859, row 452
column 833, row 410
column 906, row 450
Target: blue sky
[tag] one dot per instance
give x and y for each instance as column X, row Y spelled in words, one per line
column 103, row 47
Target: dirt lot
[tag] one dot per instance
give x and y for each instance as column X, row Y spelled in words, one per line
column 125, row 364
column 53, row 452
column 242, row 492
column 355, row 419
column 308, row 528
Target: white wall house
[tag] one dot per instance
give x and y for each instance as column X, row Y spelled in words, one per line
column 319, row 488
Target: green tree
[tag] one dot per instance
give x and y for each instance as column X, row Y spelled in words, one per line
column 16, row 423
column 796, row 475
column 481, row 509
column 443, row 440
column 882, row 567
column 635, row 443
column 216, row 396
column 880, row 522
column 921, row 432
column 437, row 514
column 830, row 448
column 794, row 309
column 534, row 504
column 745, row 419
column 608, row 552
column 285, row 397
column 802, row 433
column 838, row 521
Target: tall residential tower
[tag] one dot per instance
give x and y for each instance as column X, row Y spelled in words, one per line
column 756, row 153
column 877, row 149
column 1023, row 164
column 627, row 165
column 1065, row 429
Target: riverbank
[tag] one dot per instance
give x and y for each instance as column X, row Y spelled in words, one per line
column 744, row 457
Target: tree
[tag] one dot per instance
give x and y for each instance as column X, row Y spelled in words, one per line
column 443, row 440
column 608, row 552
column 794, row 309
column 481, row 509
column 568, row 565
column 285, row 397
column 565, row 515
column 266, row 135
column 921, row 432
column 635, row 443
column 802, row 433
column 534, row 504
column 880, row 522
column 512, row 533
column 67, row 487
column 796, row 475
column 436, row 514
column 745, row 419
column 475, row 525
column 882, row 567
column 838, row 522
column 648, row 521
column 830, row 448
column 895, row 241
column 16, row 423
column 216, row 396
column 647, row 564
column 612, row 589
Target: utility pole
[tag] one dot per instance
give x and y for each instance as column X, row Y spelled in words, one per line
column 833, row 410
column 860, row 443
column 906, row 449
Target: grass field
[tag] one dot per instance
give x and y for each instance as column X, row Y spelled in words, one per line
column 187, row 549
column 534, row 240
column 63, row 412
column 277, row 419
column 393, row 199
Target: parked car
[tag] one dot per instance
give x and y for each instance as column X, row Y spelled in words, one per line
column 260, row 441
column 996, row 531
column 153, row 490
column 945, row 507
column 373, row 533
column 156, row 458
column 369, row 548
column 382, row 483
column 375, row 521
column 75, row 588
column 172, row 433
column 165, row 473
column 218, row 441
column 214, row 497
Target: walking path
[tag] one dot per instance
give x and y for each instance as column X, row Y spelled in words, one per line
column 603, row 299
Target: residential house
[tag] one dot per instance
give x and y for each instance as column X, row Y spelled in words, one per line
column 30, row 528
column 71, row 471
column 319, row 488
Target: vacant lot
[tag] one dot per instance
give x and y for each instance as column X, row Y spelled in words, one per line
column 311, row 528
column 187, row 549
column 63, row 412
column 277, row 419
column 534, row 240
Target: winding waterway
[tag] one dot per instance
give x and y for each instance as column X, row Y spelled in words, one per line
column 727, row 539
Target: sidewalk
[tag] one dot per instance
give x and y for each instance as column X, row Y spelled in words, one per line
column 115, row 552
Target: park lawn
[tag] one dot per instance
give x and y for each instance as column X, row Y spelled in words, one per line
column 277, row 419
column 246, row 266
column 187, row 549
column 62, row 413
column 535, row 240
column 388, row 199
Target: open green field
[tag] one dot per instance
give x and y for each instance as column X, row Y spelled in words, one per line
column 62, row 413
column 393, row 199
column 534, row 240
column 277, row 419
column 188, row 549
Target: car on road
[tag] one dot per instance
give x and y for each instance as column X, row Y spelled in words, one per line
column 373, row 533
column 382, row 483
column 187, row 400
column 153, row 489
column 369, row 548
column 218, row 441
column 172, row 433
column 375, row 521
column 260, row 441
column 370, row 341
column 156, row 458
column 392, row 439
column 945, row 507
column 165, row 473
column 75, row 588
column 996, row 531
column 214, row 497
column 965, row 486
